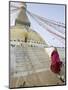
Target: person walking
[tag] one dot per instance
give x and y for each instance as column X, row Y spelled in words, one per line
column 56, row 63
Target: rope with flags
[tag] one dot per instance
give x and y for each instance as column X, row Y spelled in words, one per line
column 38, row 21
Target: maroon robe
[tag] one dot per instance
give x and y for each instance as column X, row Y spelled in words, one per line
column 56, row 64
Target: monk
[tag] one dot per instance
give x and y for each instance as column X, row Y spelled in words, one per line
column 56, row 63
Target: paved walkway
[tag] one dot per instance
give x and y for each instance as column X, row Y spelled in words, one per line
column 32, row 66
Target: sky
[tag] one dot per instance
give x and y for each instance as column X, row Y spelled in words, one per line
column 49, row 11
